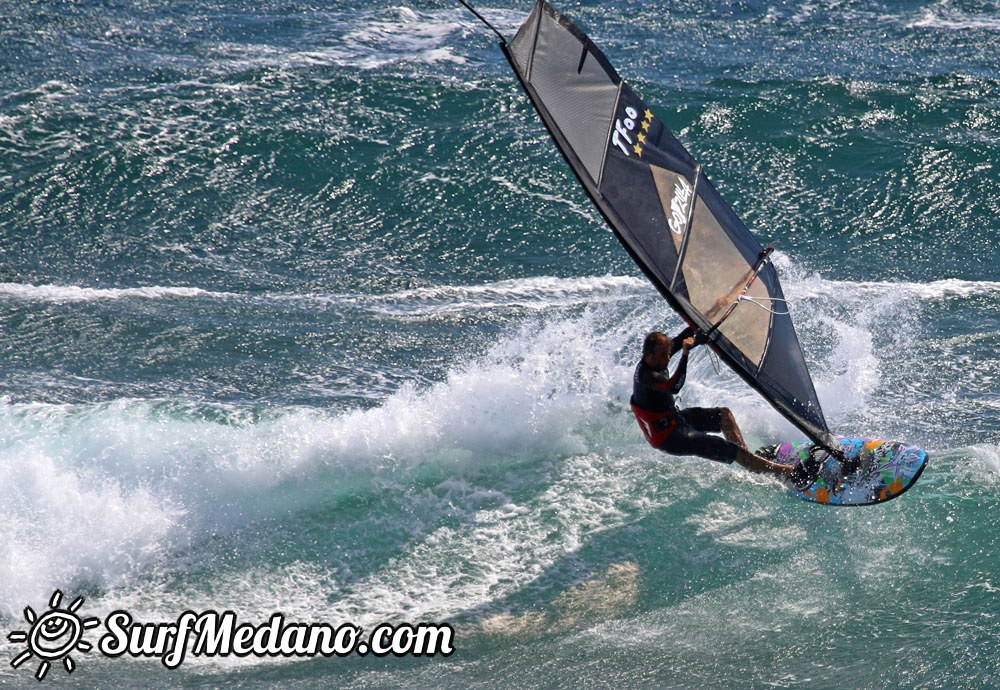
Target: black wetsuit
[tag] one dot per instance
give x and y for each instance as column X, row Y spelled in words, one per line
column 675, row 431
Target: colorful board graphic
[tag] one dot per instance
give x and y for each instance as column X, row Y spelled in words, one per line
column 874, row 471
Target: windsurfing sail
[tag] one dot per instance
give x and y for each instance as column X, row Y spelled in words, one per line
column 666, row 212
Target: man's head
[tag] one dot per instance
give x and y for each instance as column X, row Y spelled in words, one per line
column 656, row 350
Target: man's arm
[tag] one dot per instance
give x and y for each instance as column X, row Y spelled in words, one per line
column 679, row 339
column 676, row 382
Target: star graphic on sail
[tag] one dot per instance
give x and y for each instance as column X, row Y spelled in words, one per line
column 647, row 121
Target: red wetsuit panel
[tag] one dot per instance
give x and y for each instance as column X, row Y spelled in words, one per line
column 653, row 426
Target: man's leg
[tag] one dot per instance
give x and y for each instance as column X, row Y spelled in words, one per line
column 754, row 463
column 691, row 439
column 730, row 429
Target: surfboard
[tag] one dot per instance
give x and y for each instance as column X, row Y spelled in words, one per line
column 873, row 470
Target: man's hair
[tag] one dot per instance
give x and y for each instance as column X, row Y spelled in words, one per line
column 654, row 341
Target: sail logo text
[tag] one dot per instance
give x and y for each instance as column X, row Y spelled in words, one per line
column 679, row 206
column 622, row 130
column 622, row 135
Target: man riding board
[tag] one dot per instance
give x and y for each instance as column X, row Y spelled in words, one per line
column 686, row 432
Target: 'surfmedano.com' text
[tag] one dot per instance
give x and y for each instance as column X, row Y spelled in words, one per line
column 213, row 634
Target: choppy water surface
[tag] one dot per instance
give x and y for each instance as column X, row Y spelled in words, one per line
column 302, row 312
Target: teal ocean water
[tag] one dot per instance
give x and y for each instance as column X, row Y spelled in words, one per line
column 302, row 312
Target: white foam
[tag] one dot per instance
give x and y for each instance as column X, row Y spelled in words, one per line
column 75, row 293
column 808, row 285
column 109, row 494
column 717, row 120
column 134, row 479
column 538, row 293
column 553, row 196
column 943, row 16
column 399, row 34
column 374, row 39
column 854, row 372
column 65, row 524
column 987, row 455
column 542, row 292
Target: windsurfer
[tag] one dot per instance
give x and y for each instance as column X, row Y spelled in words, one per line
column 686, row 432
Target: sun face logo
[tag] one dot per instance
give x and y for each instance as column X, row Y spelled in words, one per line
column 53, row 635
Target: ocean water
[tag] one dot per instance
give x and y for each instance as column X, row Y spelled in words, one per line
column 302, row 312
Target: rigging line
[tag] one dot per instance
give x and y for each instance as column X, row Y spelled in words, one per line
column 503, row 41
column 757, row 268
column 770, row 311
column 714, row 359
column 754, row 301
column 762, row 299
